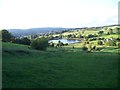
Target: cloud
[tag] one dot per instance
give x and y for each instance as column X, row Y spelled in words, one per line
column 53, row 13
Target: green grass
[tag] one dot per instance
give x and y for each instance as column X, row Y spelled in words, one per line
column 109, row 36
column 58, row 68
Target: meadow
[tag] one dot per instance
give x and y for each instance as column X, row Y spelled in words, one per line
column 58, row 67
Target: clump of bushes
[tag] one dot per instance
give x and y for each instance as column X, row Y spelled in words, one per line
column 24, row 41
column 51, row 44
column 84, row 48
column 100, row 42
column 90, row 47
column 92, row 39
column 40, row 43
column 5, row 35
column 111, row 43
column 118, row 44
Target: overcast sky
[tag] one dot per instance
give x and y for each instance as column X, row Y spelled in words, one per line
column 57, row 13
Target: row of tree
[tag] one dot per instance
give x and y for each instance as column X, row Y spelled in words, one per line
column 39, row 43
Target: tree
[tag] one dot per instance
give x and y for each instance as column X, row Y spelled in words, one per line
column 111, row 43
column 83, row 31
column 69, row 36
column 100, row 32
column 6, row 36
column 90, row 36
column 117, row 30
column 89, row 47
column 105, row 28
column 110, row 31
column 40, row 43
column 60, row 36
column 24, row 41
column 100, row 42
column 84, row 48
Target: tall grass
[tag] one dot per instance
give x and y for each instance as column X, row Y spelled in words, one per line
column 58, row 68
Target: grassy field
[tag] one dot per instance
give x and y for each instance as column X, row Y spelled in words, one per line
column 58, row 68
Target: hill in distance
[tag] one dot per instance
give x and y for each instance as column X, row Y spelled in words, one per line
column 19, row 32
column 25, row 32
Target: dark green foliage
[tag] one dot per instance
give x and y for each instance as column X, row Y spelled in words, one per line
column 40, row 43
column 51, row 44
column 81, row 36
column 6, row 36
column 101, row 38
column 84, row 48
column 110, row 31
column 60, row 36
column 69, row 36
column 24, row 41
column 92, row 39
column 83, row 31
column 90, row 47
column 118, row 39
column 59, row 44
column 100, row 42
column 118, row 44
column 90, row 36
column 117, row 30
column 73, row 47
column 94, row 48
column 111, row 43
column 100, row 32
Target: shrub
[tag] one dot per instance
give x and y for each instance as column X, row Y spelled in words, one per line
column 117, row 30
column 90, row 36
column 94, row 48
column 92, row 39
column 110, row 31
column 118, row 44
column 89, row 47
column 101, row 38
column 100, row 32
column 24, row 41
column 51, row 44
column 40, row 43
column 112, row 43
column 100, row 42
column 84, row 48
column 6, row 36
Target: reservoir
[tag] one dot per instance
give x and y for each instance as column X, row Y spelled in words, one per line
column 69, row 41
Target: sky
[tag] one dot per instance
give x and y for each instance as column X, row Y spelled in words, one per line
column 23, row 14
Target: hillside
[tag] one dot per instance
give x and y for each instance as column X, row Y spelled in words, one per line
column 58, row 68
column 25, row 32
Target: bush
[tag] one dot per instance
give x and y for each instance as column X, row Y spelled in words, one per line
column 89, row 47
column 51, row 44
column 111, row 43
column 118, row 44
column 101, row 38
column 24, row 41
column 84, row 48
column 100, row 32
column 92, row 39
column 100, row 42
column 40, row 43
column 94, row 48
column 90, row 36
column 6, row 36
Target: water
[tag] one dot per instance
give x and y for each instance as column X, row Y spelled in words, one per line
column 65, row 41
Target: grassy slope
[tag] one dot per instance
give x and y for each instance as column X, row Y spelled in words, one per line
column 61, row 67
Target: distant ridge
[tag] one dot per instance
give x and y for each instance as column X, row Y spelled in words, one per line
column 25, row 32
